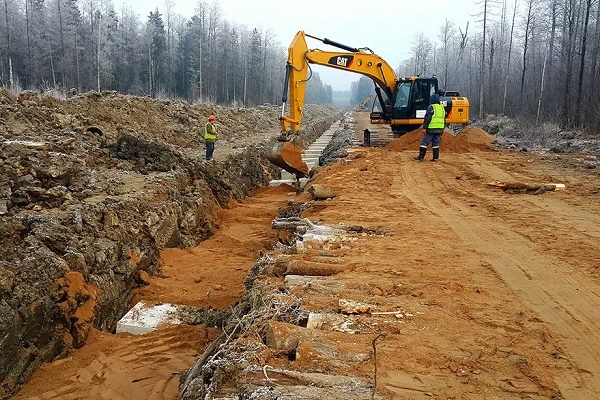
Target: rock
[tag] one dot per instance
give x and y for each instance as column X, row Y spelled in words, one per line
column 320, row 192
column 281, row 336
column 75, row 261
column 110, row 219
column 354, row 307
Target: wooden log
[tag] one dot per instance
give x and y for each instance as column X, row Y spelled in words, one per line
column 313, row 268
column 289, row 223
column 522, row 187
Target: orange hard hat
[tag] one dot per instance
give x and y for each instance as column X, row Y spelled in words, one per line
column 212, row 118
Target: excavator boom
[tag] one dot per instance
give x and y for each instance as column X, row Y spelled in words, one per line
column 361, row 61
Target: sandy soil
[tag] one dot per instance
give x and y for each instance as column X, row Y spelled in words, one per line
column 125, row 366
column 498, row 291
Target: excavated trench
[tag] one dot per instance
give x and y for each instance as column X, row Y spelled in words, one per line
column 83, row 263
column 85, row 215
column 268, row 310
column 270, row 323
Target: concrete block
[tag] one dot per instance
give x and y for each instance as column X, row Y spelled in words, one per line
column 144, row 318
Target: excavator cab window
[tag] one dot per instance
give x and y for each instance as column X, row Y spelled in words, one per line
column 412, row 98
column 402, row 96
column 422, row 91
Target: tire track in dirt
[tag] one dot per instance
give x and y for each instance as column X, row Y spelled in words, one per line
column 121, row 367
column 560, row 294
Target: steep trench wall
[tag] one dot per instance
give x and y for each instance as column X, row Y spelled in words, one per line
column 84, row 215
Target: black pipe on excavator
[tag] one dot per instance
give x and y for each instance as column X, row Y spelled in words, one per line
column 384, row 109
column 286, row 85
column 334, row 44
column 341, row 46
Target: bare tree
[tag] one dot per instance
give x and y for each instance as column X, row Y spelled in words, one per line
column 11, row 81
column 527, row 33
column 539, row 106
column 512, row 29
column 446, row 34
column 569, row 28
column 485, row 14
column 214, row 24
column 578, row 109
column 463, row 39
column 595, row 55
column 28, row 34
column 421, row 53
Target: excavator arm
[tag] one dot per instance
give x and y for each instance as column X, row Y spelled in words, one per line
column 364, row 103
column 287, row 154
column 362, row 61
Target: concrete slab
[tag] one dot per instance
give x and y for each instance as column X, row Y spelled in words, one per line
column 144, row 318
column 288, row 179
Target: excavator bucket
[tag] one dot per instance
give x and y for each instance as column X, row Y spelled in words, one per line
column 288, row 156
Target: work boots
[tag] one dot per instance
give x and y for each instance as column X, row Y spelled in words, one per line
column 436, row 154
column 421, row 156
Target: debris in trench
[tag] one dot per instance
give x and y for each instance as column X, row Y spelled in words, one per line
column 144, row 318
column 237, row 348
column 354, row 307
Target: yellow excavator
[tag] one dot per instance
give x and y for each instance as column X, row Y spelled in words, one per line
column 363, row 105
column 403, row 101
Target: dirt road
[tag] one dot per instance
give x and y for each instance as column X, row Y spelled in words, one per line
column 483, row 293
column 542, row 248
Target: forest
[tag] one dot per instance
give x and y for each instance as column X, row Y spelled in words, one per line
column 88, row 45
column 536, row 60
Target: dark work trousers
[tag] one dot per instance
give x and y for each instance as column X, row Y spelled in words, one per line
column 210, row 148
column 434, row 138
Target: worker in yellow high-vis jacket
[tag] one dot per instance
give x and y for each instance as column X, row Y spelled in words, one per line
column 433, row 127
column 210, row 136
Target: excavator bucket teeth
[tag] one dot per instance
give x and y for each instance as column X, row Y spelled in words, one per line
column 288, row 156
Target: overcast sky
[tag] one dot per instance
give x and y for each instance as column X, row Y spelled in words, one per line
column 386, row 27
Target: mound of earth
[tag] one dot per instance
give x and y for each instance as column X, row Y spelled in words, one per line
column 473, row 134
column 471, row 140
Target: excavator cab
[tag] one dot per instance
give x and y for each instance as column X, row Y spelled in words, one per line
column 412, row 97
column 410, row 102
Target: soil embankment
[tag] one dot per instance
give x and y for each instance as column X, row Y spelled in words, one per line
column 92, row 188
